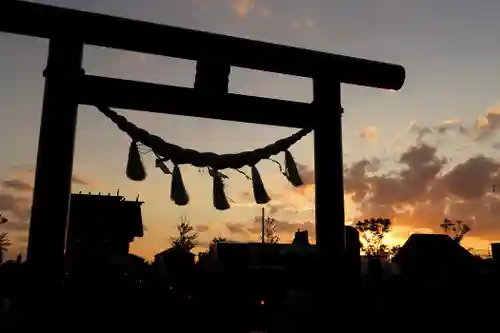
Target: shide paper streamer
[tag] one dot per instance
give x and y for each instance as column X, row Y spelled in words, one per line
column 165, row 152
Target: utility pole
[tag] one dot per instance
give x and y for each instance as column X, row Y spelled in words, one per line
column 263, row 226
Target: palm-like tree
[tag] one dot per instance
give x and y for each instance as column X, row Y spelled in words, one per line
column 188, row 237
column 270, row 231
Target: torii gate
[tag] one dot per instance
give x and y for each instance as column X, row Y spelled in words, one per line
column 67, row 86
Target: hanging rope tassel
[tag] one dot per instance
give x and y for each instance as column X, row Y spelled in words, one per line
column 259, row 191
column 220, row 199
column 178, row 193
column 291, row 170
column 163, row 167
column 135, row 168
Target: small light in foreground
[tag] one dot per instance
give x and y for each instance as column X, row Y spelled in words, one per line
column 262, row 302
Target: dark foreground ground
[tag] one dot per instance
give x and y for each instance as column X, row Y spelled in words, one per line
column 142, row 309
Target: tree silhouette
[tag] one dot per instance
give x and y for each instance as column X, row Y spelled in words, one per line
column 270, row 231
column 216, row 240
column 188, row 236
column 212, row 244
column 373, row 232
column 393, row 251
column 457, row 228
column 4, row 238
column 4, row 242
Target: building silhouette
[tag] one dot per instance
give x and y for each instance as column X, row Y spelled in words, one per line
column 101, row 227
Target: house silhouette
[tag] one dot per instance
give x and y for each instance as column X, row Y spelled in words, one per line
column 434, row 260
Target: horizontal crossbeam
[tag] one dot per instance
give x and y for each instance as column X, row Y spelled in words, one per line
column 45, row 21
column 158, row 98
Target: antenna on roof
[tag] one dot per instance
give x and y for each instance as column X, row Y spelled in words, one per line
column 99, row 193
column 80, row 192
column 117, row 192
column 137, row 198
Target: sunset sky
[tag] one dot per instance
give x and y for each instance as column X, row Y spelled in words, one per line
column 416, row 155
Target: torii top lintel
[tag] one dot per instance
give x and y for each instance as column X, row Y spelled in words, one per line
column 45, row 21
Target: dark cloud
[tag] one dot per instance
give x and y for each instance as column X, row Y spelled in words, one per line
column 202, row 227
column 421, row 192
column 274, row 208
column 472, row 179
column 236, row 228
column 15, row 204
column 485, row 127
column 29, row 172
column 354, row 178
column 203, row 244
column 447, row 126
column 420, row 131
column 17, row 185
column 254, row 227
column 14, row 207
column 8, row 202
column 422, row 189
column 16, row 226
column 22, row 239
column 286, row 227
column 450, row 126
column 79, row 181
column 306, row 173
column 496, row 145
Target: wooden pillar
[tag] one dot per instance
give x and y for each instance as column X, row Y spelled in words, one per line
column 54, row 166
column 329, row 174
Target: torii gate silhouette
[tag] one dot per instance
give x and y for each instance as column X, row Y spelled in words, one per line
column 67, row 86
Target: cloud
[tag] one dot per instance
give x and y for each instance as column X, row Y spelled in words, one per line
column 284, row 229
column 452, row 125
column 245, row 8
column 306, row 174
column 15, row 208
column 26, row 174
column 417, row 187
column 285, row 199
column 417, row 190
column 17, row 226
column 16, row 184
column 15, row 202
column 496, row 145
column 79, row 181
column 236, row 228
column 488, row 124
column 420, row 193
column 484, row 128
column 447, row 126
column 306, row 23
column 202, row 227
column 368, row 132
